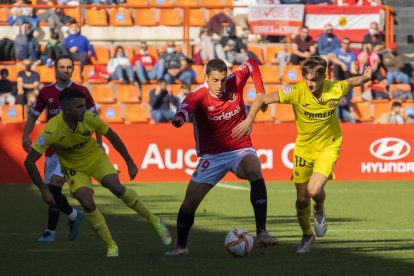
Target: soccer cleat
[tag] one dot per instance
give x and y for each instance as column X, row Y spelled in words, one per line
column 264, row 239
column 177, row 250
column 162, row 231
column 75, row 225
column 112, row 250
column 47, row 237
column 305, row 244
column 320, row 224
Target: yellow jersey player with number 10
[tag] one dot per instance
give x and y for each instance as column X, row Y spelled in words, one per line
column 319, row 139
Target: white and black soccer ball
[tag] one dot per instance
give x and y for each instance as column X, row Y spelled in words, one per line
column 238, row 242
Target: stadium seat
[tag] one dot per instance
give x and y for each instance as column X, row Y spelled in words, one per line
column 199, row 69
column 206, row 3
column 137, row 2
column 270, row 88
column 110, row 113
column 170, row 17
column 380, row 107
column 398, row 86
column 186, row 2
column 145, row 89
column 266, row 117
column 101, row 55
column 13, row 71
column 96, row 17
column 249, row 93
column 162, row 2
column 3, row 17
column 363, row 111
column 135, row 113
column 12, row 114
column 127, row 93
column 197, row 17
column 269, row 73
column 75, row 13
column 175, row 89
column 284, row 113
column 271, row 52
column 213, row 12
column 47, row 74
column 292, row 74
column 145, row 17
column 102, row 93
column 153, row 51
column 258, row 51
column 357, row 97
column 120, row 17
column 76, row 75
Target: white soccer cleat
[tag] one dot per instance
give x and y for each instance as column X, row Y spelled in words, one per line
column 177, row 250
column 305, row 244
column 320, row 224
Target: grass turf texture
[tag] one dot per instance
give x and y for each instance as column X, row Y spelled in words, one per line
column 370, row 233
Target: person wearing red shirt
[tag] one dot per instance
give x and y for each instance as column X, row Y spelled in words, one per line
column 215, row 108
column 146, row 65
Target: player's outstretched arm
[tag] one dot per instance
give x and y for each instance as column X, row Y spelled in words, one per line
column 120, row 147
column 359, row 80
column 245, row 127
column 98, row 135
column 30, row 165
column 28, row 128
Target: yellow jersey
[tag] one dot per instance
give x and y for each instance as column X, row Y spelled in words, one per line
column 75, row 149
column 316, row 119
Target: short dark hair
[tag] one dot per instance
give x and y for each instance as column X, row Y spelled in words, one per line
column 314, row 64
column 70, row 93
column 216, row 64
column 4, row 71
column 63, row 57
column 396, row 104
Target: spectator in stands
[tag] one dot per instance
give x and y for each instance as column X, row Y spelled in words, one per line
column 78, row 45
column 369, row 57
column 25, row 45
column 218, row 23
column 327, row 42
column 231, row 49
column 374, row 36
column 303, row 47
column 54, row 48
column 50, row 16
column 23, row 13
column 395, row 116
column 184, row 90
column 160, row 100
column 409, row 113
column 344, row 61
column 146, row 65
column 7, row 89
column 119, row 67
column 177, row 65
column 28, row 83
column 394, row 65
column 203, row 47
column 345, row 109
column 282, row 58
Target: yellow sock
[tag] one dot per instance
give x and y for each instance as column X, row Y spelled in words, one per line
column 318, row 206
column 304, row 217
column 97, row 221
column 131, row 199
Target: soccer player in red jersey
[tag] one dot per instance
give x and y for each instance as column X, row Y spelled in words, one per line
column 48, row 99
column 215, row 108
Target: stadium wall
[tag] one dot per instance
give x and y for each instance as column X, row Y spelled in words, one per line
column 163, row 153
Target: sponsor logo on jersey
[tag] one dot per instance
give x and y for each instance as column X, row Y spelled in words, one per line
column 225, row 115
column 54, row 111
column 287, row 90
column 40, row 140
column 50, row 100
column 211, row 108
column 77, row 146
column 329, row 113
column 333, row 104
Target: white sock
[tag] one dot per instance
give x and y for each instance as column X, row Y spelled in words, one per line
column 72, row 216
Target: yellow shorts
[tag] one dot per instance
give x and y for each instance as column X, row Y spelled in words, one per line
column 307, row 161
column 98, row 169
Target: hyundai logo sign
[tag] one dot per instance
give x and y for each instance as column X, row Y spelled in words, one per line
column 390, row 148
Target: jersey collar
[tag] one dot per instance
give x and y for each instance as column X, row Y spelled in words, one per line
column 61, row 88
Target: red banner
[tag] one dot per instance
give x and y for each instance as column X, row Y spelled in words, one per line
column 164, row 153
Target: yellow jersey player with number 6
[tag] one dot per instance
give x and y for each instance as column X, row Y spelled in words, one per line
column 319, row 139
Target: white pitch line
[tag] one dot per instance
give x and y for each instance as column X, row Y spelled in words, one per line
column 233, row 187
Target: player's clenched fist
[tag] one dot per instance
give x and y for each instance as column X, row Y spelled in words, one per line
column 177, row 121
column 132, row 170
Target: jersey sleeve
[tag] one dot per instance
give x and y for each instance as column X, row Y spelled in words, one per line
column 288, row 95
column 247, row 69
column 45, row 139
column 39, row 105
column 188, row 106
column 100, row 126
column 343, row 86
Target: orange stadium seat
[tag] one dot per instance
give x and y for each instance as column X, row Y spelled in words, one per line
column 75, row 13
column 398, row 86
column 101, row 55
column 249, row 93
column 170, row 17
column 145, row 17
column 197, row 17
column 292, row 74
column 12, row 114
column 110, row 113
column 357, row 97
column 270, row 88
column 137, row 2
column 175, row 89
column 76, row 75
column 186, row 2
column 3, row 16
column 271, row 52
column 284, row 113
column 380, row 107
column 270, row 73
column 266, row 117
column 258, row 51
column 206, row 3
column 162, row 2
column 199, row 69
column 102, row 93
column 47, row 74
column 363, row 111
column 13, row 71
column 153, row 51
column 127, row 93
column 129, row 51
column 135, row 113
column 120, row 17
column 145, row 89
column 96, row 17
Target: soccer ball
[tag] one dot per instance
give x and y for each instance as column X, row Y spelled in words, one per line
column 239, row 242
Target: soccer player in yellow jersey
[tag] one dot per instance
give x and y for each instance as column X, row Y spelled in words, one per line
column 318, row 142
column 69, row 134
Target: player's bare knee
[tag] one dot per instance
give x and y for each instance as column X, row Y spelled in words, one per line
column 302, row 203
column 189, row 206
column 313, row 190
column 57, row 181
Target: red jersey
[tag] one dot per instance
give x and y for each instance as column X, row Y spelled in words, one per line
column 49, row 98
column 215, row 117
column 146, row 60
